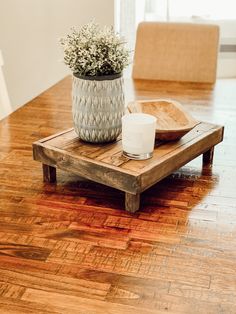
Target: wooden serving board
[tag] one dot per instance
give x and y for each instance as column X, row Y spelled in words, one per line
column 104, row 163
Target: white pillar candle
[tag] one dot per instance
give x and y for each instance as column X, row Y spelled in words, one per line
column 138, row 135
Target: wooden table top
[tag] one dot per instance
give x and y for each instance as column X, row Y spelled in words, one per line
column 70, row 248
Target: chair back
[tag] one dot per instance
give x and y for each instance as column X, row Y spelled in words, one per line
column 176, row 52
column 5, row 105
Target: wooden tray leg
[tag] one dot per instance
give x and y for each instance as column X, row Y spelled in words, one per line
column 49, row 174
column 132, row 202
column 208, row 157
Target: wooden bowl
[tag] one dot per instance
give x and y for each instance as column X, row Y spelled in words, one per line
column 173, row 121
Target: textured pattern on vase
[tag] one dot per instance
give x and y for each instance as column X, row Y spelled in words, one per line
column 97, row 109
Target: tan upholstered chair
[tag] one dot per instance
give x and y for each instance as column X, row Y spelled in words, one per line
column 5, row 106
column 176, row 52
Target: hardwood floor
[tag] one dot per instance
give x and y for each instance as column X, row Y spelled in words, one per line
column 71, row 247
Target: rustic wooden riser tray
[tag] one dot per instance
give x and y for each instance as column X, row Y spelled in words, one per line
column 104, row 163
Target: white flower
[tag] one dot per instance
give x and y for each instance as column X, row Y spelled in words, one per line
column 92, row 50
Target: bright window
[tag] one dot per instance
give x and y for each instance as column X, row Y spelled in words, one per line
column 209, row 9
column 222, row 12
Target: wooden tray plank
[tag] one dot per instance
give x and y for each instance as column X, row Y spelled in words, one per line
column 99, row 151
column 117, row 159
column 180, row 157
column 71, row 143
column 108, row 150
column 58, row 136
column 164, row 148
column 63, row 141
column 110, row 175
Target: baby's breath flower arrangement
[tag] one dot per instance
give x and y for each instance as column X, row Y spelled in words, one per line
column 94, row 51
column 97, row 56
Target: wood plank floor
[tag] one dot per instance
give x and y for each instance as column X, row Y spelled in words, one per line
column 72, row 248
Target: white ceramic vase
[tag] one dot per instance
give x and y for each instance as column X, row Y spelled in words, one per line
column 98, row 106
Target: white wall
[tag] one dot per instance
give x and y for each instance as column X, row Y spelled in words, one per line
column 29, row 33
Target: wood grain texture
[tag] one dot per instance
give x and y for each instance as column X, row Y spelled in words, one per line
column 173, row 121
column 71, row 248
column 49, row 174
column 112, row 169
column 132, row 202
column 208, row 157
